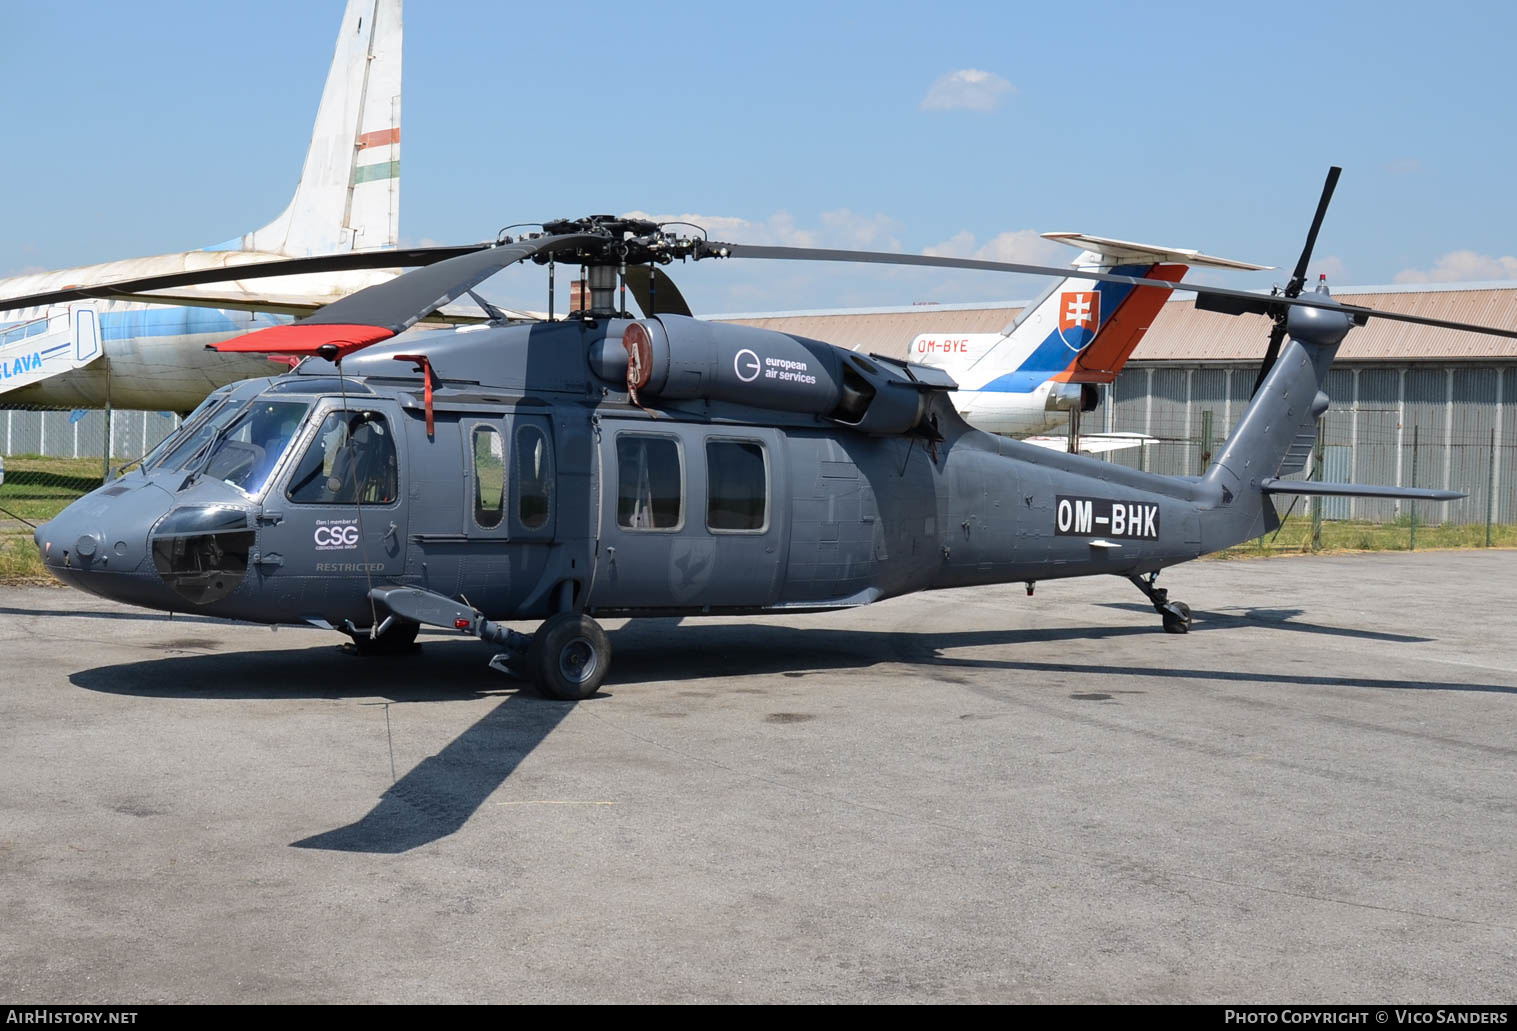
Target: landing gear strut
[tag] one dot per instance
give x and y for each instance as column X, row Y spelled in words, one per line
column 567, row 658
column 1176, row 613
column 396, row 637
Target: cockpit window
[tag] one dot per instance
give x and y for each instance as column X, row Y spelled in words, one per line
column 247, row 450
column 195, row 439
column 296, row 384
column 189, row 426
column 351, row 460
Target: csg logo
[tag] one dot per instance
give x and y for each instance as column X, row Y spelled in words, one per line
column 336, row 538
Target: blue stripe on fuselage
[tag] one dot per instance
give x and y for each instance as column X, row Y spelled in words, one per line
column 1053, row 355
column 173, row 322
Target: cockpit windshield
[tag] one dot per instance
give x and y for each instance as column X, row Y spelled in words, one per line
column 246, row 449
column 186, row 428
column 177, row 451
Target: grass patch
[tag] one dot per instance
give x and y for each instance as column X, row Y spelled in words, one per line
column 36, row 489
column 21, row 562
column 1295, row 538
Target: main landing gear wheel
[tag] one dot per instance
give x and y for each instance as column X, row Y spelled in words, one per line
column 1177, row 620
column 398, row 639
column 569, row 656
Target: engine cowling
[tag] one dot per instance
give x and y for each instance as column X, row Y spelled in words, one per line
column 674, row 358
column 1069, row 397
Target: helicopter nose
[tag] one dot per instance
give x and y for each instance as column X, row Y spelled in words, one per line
column 78, row 543
column 99, row 543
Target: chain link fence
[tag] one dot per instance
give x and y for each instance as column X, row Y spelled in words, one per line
column 83, row 434
column 1447, row 428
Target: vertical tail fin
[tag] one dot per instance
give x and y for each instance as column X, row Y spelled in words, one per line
column 1268, row 440
column 349, row 192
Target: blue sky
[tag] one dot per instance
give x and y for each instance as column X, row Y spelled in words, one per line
column 148, row 127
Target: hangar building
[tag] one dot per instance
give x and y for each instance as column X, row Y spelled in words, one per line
column 1412, row 405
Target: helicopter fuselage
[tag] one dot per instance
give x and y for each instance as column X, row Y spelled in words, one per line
column 533, row 482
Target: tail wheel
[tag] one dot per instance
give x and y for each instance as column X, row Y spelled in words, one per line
column 569, row 657
column 1177, row 621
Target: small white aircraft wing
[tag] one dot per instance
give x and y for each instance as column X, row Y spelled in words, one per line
column 1092, row 443
column 1126, row 250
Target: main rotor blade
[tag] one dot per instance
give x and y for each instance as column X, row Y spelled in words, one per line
column 655, row 292
column 350, row 261
column 1247, row 301
column 1298, row 277
column 385, row 309
column 401, row 302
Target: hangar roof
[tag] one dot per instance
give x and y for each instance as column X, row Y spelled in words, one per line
column 1181, row 333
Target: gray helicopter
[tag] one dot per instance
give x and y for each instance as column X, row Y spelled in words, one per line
column 608, row 465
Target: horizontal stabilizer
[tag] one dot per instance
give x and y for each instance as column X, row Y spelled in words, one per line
column 1126, row 250
column 1356, row 490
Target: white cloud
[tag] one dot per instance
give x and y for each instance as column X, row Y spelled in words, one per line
column 779, row 229
column 841, row 228
column 1023, row 246
column 959, row 245
column 1462, row 267
column 1332, row 267
column 861, row 232
column 968, row 89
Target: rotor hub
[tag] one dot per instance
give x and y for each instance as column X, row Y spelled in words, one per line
column 624, row 241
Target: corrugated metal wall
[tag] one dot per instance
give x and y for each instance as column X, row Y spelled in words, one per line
column 1378, row 414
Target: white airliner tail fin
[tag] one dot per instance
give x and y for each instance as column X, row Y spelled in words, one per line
column 1078, row 330
column 349, row 192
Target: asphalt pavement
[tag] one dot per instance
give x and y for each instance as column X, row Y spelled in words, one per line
column 965, row 796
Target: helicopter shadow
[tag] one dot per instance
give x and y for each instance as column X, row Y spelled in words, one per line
column 714, row 651
column 434, row 798
column 439, row 795
column 158, row 617
column 193, row 668
column 1278, row 619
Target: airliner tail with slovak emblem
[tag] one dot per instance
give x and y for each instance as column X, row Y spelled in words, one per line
column 1043, row 368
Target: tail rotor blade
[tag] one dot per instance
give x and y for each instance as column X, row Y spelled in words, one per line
column 1298, row 277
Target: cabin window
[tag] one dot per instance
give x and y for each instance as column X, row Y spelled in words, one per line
column 489, row 477
column 737, row 486
column 534, row 478
column 351, row 460
column 650, row 483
